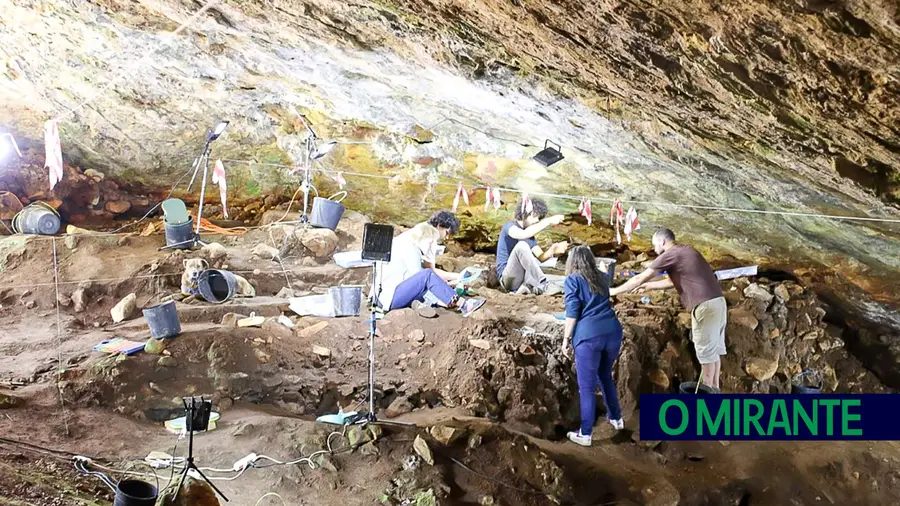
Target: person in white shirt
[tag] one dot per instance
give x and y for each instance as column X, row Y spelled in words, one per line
column 447, row 225
column 404, row 281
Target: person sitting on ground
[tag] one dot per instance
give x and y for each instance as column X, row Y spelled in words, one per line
column 518, row 255
column 447, row 224
column 700, row 293
column 404, row 282
column 596, row 336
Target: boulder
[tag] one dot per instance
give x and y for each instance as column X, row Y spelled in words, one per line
column 214, row 251
column 761, row 369
column 321, row 242
column 399, row 407
column 782, row 293
column 79, row 300
column 167, row 361
column 483, row 344
column 118, row 206
column 125, row 309
column 264, row 251
column 445, row 435
column 659, row 378
column 423, row 450
column 742, row 317
column 755, row 291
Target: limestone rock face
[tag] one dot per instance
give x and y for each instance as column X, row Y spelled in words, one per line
column 715, row 108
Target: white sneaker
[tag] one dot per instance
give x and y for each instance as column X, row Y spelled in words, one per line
column 617, row 424
column 579, row 439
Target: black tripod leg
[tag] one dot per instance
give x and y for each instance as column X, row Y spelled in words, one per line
column 209, row 482
column 180, row 482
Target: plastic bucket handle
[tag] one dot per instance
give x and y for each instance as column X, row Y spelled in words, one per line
column 336, row 194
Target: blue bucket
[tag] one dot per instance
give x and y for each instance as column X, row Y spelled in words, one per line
column 216, row 285
column 180, row 236
column 37, row 218
column 327, row 213
column 163, row 320
column 800, row 386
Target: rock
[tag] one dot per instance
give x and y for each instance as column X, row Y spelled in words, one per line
column 761, row 369
column 782, row 293
column 78, row 300
column 71, row 241
column 285, row 293
column 214, row 251
column 275, row 329
column 325, row 461
column 487, row 500
column 96, row 174
column 754, row 291
column 231, row 319
column 30, row 304
column 312, row 330
column 473, row 442
column 422, row 449
column 125, row 309
column 661, row 493
column 369, row 449
column 251, row 321
column 774, row 334
column 659, row 378
column 10, row 401
column 223, row 404
column 321, row 351
column 356, row 435
column 445, row 435
column 417, row 336
column 264, row 251
column 684, row 320
column 118, row 206
column 321, row 242
column 64, row 300
column 483, row 344
column 399, row 407
column 261, row 356
column 485, row 314
column 166, row 361
column 742, row 317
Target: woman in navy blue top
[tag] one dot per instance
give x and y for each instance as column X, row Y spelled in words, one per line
column 596, row 336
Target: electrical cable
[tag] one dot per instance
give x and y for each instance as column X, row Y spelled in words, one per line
column 270, row 494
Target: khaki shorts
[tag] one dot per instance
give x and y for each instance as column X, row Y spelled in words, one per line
column 708, row 322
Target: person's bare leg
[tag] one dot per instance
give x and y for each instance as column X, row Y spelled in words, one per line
column 708, row 374
column 718, row 373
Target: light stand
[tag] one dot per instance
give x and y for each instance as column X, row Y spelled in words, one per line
column 212, row 135
column 311, row 153
column 377, row 242
column 196, row 419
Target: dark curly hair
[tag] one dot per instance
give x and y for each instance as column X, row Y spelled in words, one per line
column 445, row 219
column 539, row 208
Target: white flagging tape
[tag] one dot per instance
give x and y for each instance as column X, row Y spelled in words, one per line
column 125, row 73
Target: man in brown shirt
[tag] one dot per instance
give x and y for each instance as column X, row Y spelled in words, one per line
column 696, row 283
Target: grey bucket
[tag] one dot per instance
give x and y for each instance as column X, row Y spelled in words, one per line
column 798, row 386
column 180, row 236
column 327, row 213
column 347, row 300
column 163, row 320
column 216, row 285
column 690, row 387
column 37, row 218
column 135, row 493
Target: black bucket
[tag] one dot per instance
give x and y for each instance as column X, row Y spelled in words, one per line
column 327, row 213
column 163, row 320
column 180, row 236
column 135, row 493
column 217, row 286
column 37, row 218
column 690, row 387
column 800, row 386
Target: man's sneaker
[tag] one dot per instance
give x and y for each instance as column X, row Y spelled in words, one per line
column 523, row 290
column 579, row 439
column 553, row 289
column 617, row 424
column 469, row 306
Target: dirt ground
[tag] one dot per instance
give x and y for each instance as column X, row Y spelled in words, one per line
column 497, row 378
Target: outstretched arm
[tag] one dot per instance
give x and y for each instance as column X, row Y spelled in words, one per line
column 665, row 284
column 520, row 234
column 633, row 283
